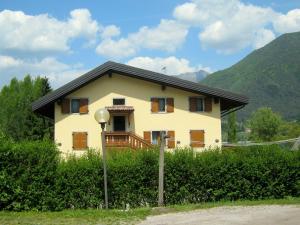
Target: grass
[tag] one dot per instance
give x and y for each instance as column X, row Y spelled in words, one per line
column 93, row 216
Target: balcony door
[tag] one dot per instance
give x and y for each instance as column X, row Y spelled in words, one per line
column 119, row 123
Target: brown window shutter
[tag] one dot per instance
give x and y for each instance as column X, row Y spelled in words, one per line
column 154, row 104
column 80, row 140
column 170, row 105
column 147, row 136
column 171, row 139
column 193, row 104
column 208, row 104
column 65, row 106
column 84, row 106
column 197, row 138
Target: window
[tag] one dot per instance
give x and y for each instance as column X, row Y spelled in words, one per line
column 197, row 138
column 196, row 104
column 156, row 137
column 161, row 104
column 75, row 105
column 80, row 140
column 199, row 104
column 119, row 101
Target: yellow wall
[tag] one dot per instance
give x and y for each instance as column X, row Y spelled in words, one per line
column 137, row 93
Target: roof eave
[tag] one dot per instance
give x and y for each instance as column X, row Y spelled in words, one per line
column 112, row 67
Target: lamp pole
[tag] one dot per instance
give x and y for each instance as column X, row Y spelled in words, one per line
column 104, row 164
column 102, row 117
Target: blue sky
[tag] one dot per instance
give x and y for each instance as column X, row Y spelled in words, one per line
column 64, row 39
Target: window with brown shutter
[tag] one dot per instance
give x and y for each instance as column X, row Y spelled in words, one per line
column 193, row 104
column 196, row 104
column 171, row 139
column 208, row 104
column 80, row 140
column 147, row 136
column 65, row 106
column 197, row 138
column 170, row 105
column 84, row 108
column 154, row 105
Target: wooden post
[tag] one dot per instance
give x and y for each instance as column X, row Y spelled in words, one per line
column 161, row 170
column 104, row 164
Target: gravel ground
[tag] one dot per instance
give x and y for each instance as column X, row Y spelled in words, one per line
column 234, row 215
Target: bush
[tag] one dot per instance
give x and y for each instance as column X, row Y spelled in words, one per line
column 27, row 175
column 79, row 182
column 32, row 177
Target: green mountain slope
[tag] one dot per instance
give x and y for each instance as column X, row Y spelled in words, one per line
column 269, row 76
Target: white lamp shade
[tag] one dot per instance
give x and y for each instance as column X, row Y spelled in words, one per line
column 102, row 116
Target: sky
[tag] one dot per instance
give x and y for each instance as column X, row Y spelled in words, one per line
column 64, row 39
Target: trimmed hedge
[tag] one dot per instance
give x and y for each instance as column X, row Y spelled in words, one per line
column 27, row 175
column 33, row 178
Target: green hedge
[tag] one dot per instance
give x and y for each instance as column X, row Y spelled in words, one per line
column 27, row 175
column 33, row 177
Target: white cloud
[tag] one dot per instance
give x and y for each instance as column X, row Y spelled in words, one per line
column 81, row 24
column 173, row 65
column 8, row 62
column 110, row 31
column 289, row 22
column 228, row 25
column 116, row 49
column 168, row 36
column 57, row 72
column 262, row 38
column 43, row 33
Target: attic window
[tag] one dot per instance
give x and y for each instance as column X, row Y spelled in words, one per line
column 119, row 101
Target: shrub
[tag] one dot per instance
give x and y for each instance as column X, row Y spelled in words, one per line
column 33, row 178
column 79, row 182
column 27, row 175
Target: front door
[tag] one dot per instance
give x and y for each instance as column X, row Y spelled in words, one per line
column 119, row 123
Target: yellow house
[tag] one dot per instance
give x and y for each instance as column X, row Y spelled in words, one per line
column 141, row 103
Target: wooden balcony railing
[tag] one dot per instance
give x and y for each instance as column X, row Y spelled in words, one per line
column 125, row 139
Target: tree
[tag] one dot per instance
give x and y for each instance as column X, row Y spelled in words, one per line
column 232, row 128
column 17, row 121
column 264, row 124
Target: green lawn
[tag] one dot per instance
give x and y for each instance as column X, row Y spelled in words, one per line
column 76, row 217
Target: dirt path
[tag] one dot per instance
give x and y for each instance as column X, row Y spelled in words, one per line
column 236, row 215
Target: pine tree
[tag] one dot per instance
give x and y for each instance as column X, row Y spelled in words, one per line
column 17, row 121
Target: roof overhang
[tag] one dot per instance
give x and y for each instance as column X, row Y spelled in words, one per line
column 45, row 105
column 120, row 109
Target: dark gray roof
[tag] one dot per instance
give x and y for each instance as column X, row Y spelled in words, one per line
column 44, row 105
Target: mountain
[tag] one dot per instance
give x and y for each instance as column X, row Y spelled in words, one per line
column 269, row 76
column 193, row 76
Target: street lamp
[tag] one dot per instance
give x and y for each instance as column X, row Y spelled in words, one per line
column 102, row 117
